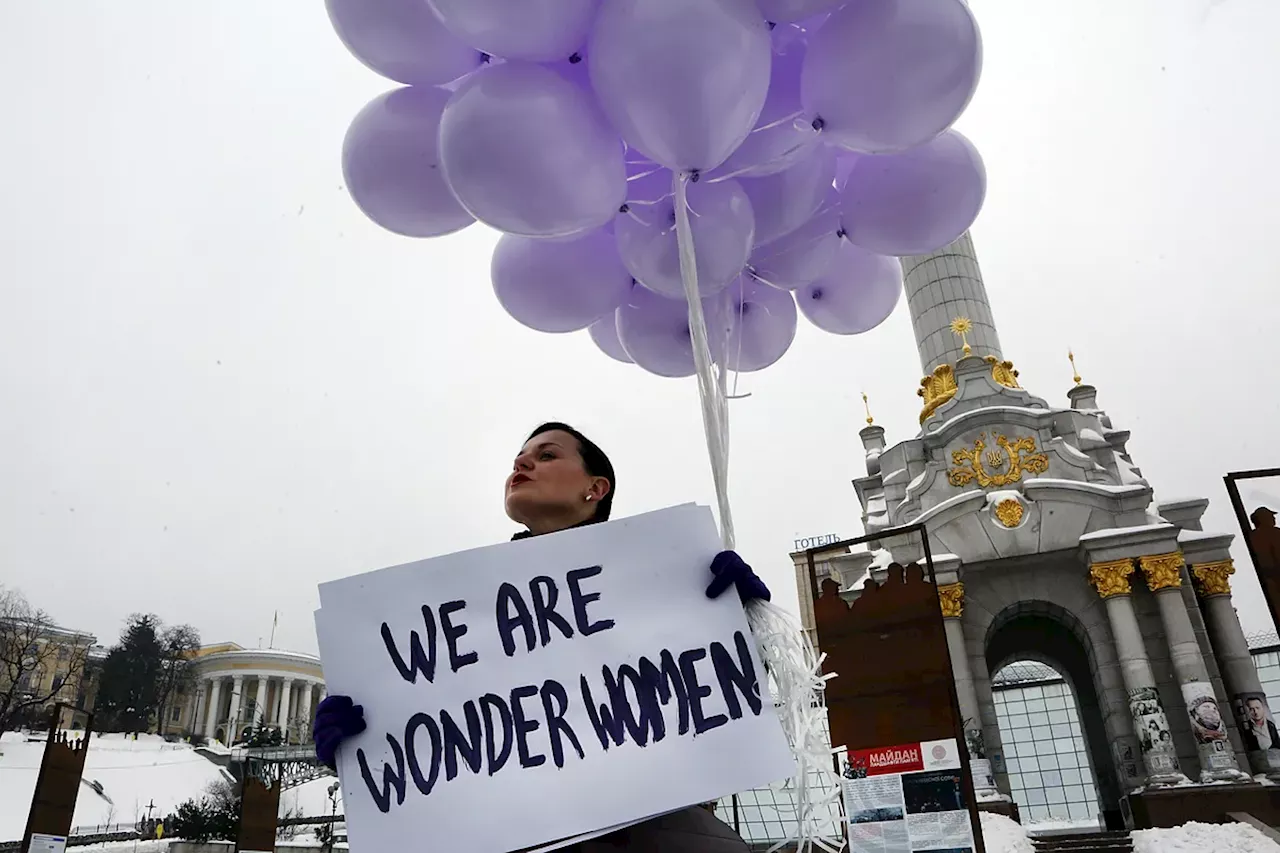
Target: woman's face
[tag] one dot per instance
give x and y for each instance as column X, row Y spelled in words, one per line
column 548, row 486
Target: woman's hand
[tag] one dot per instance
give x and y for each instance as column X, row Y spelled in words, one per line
column 337, row 718
column 729, row 570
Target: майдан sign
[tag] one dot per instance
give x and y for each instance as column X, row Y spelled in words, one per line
column 562, row 685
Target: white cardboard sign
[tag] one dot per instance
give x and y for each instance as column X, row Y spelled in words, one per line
column 572, row 682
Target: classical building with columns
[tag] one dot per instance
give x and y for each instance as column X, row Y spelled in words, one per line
column 238, row 688
column 1049, row 546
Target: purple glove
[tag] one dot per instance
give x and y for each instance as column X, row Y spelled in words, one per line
column 337, row 718
column 729, row 570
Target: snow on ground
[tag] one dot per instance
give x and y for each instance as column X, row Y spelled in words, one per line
column 1002, row 835
column 133, row 773
column 1203, row 838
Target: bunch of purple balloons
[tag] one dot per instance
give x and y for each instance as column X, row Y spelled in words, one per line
column 811, row 137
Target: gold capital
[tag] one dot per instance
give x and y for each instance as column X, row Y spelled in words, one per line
column 1111, row 578
column 1214, row 578
column 952, row 597
column 1163, row 571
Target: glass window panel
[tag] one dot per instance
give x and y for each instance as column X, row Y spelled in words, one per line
column 1071, row 776
column 1032, row 780
column 1054, row 703
column 1081, row 811
column 1058, row 716
column 1044, row 747
column 1010, row 748
column 1029, row 763
column 1060, row 730
column 1059, row 811
column 1012, row 765
column 1063, row 744
column 1034, row 705
column 1077, row 794
column 1035, row 796
column 1016, row 706
column 1015, row 781
column 1051, row 777
column 1069, row 759
column 1019, row 721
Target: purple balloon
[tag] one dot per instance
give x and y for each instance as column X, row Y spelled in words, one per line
column 721, row 221
column 857, row 294
column 776, row 143
column 914, row 202
column 785, row 201
column 604, row 334
column 887, row 75
column 788, row 11
column 764, row 325
column 538, row 30
column 559, row 285
column 401, row 39
column 682, row 80
column 654, row 330
column 525, row 151
column 392, row 168
column 804, row 255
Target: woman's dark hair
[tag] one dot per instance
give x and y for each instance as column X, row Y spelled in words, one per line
column 593, row 460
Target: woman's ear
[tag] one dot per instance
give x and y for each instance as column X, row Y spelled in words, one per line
column 599, row 488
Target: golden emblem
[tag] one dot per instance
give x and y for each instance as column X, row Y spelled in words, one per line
column 1009, row 512
column 970, row 464
column 952, row 597
column 1214, row 578
column 1162, row 571
column 1111, row 578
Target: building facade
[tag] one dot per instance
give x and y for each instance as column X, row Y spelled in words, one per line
column 236, row 689
column 1050, row 547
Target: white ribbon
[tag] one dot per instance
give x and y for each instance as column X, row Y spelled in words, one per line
column 794, row 669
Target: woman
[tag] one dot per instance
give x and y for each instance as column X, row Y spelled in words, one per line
column 561, row 479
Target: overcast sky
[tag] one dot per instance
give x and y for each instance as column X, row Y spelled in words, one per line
column 220, row 384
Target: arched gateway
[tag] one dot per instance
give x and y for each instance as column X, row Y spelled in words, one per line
column 1048, row 546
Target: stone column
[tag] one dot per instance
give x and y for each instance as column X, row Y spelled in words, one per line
column 235, row 713
column 282, row 720
column 939, row 287
column 211, row 713
column 304, row 708
column 1217, row 759
column 189, row 712
column 952, row 597
column 1111, row 580
column 1248, row 699
column 260, row 716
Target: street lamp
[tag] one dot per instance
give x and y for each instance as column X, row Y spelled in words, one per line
column 333, row 812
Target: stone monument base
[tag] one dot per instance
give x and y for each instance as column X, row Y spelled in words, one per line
column 1167, row 807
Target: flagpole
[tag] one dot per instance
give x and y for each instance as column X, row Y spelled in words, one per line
column 274, row 621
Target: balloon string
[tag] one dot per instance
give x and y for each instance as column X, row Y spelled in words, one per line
column 714, row 415
column 793, row 668
column 795, row 115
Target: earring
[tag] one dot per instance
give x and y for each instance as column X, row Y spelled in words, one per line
column 588, row 498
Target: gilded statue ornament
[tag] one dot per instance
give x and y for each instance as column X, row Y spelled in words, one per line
column 936, row 389
column 970, row 465
column 1002, row 372
column 1162, row 571
column 952, row 597
column 1111, row 578
column 961, row 327
column 1009, row 512
column 1214, row 578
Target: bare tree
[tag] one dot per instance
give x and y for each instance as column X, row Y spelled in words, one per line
column 39, row 662
column 178, row 644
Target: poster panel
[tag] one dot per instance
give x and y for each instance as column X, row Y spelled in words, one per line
column 907, row 798
column 581, row 679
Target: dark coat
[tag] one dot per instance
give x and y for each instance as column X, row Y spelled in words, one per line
column 692, row 830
